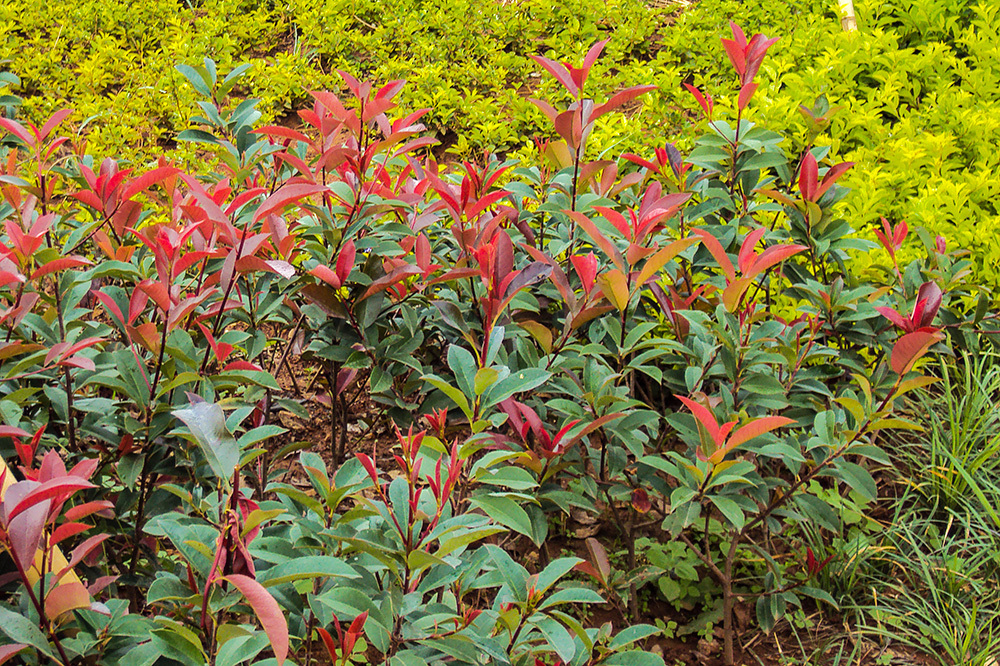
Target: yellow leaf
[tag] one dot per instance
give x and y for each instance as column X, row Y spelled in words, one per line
column 660, row 259
column 734, row 293
column 854, row 407
column 895, row 424
column 914, row 383
column 541, row 333
column 614, row 286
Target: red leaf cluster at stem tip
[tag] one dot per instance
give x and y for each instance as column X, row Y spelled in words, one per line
column 924, row 310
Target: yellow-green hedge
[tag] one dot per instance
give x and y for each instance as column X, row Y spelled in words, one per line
column 917, row 83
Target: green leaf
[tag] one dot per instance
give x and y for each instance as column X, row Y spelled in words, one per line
column 558, row 637
column 198, row 136
column 515, row 478
column 259, row 434
column 22, row 630
column 256, row 377
column 312, row 566
column 178, row 642
column 418, row 560
column 729, row 509
column 129, row 467
column 451, row 541
column 554, row 572
column 765, row 614
column 144, row 654
column 818, row 594
column 857, row 478
column 631, row 635
column 504, row 511
column 455, row 394
column 572, row 595
column 819, row 511
column 463, row 365
column 458, row 646
column 766, row 160
column 517, row 382
column 207, row 424
column 634, row 658
column 168, row 586
column 240, row 649
column 514, row 576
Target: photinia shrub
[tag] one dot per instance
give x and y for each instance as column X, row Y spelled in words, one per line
column 675, row 344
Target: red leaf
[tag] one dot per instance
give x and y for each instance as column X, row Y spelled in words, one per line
column 909, row 348
column 101, row 583
column 326, row 275
column 602, row 241
column 9, row 651
column 736, row 55
column 599, row 558
column 358, row 624
column 90, row 199
column 564, row 126
column 747, row 255
column 242, row 365
column 559, row 71
column 82, row 551
column 328, row 642
column 808, row 177
column 148, row 179
column 369, row 466
column 17, row 130
column 25, row 531
column 618, row 99
column 586, row 269
column 706, row 418
column 85, row 468
column 640, row 500
column 280, row 267
column 53, row 122
column 831, row 177
column 102, row 507
column 12, row 431
column 158, row 292
column 283, row 132
column 715, row 248
column 753, row 429
column 746, row 94
column 60, row 264
column 287, row 195
column 345, row 261
column 899, row 233
column 771, row 256
column 593, row 54
column 66, row 530
column 83, row 344
column 267, row 611
column 69, row 596
column 705, row 101
column 59, row 489
column 587, row 568
column 146, row 335
column 927, row 305
column 635, row 159
column 386, row 281
column 895, row 318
